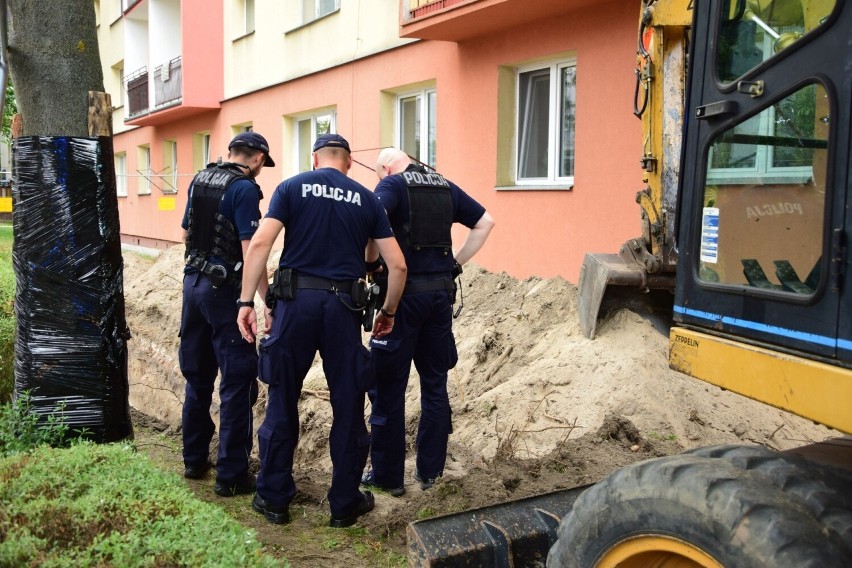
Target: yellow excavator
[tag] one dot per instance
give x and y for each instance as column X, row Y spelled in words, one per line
column 746, row 107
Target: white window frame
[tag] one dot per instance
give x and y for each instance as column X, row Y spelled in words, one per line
column 121, row 86
column 144, row 170
column 314, row 117
column 170, row 179
column 249, row 17
column 309, row 15
column 121, row 174
column 555, row 97
column 205, row 150
column 428, row 127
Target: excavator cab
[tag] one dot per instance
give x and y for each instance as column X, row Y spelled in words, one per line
column 764, row 191
column 763, row 110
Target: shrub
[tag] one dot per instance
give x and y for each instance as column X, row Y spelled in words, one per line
column 22, row 430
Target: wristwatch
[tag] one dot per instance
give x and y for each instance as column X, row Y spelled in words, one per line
column 245, row 303
column 386, row 313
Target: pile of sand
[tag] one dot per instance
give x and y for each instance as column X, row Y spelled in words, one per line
column 527, row 380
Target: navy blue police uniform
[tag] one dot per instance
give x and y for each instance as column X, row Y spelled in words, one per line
column 222, row 210
column 422, row 207
column 328, row 220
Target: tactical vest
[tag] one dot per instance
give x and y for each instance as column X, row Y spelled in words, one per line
column 209, row 231
column 430, row 211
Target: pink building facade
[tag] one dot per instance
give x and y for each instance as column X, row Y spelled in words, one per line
column 527, row 105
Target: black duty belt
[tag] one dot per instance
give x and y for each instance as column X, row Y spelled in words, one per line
column 314, row 283
column 429, row 286
column 214, row 271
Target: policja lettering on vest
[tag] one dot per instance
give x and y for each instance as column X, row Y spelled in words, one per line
column 335, row 193
column 212, row 178
column 425, row 178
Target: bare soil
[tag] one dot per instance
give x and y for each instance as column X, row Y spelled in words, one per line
column 537, row 407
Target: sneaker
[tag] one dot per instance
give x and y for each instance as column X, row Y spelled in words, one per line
column 196, row 471
column 369, row 480
column 425, row 482
column 244, row 487
column 367, row 504
column 276, row 515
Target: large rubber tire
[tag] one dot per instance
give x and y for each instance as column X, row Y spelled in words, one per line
column 732, row 506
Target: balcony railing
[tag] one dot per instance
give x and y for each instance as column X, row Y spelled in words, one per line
column 168, row 83
column 418, row 8
column 137, row 92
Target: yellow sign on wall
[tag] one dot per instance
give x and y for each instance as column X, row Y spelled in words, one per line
column 166, row 204
column 5, row 204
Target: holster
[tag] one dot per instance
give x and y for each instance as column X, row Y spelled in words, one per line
column 283, row 286
column 218, row 274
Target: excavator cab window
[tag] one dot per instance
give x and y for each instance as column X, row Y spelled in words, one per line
column 764, row 196
column 757, row 30
column 764, row 193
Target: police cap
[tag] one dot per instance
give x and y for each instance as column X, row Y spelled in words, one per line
column 331, row 141
column 253, row 140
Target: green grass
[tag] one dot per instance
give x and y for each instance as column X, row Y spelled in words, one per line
column 103, row 505
column 7, row 315
column 106, row 505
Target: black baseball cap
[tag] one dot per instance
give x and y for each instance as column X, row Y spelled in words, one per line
column 253, row 140
column 331, row 141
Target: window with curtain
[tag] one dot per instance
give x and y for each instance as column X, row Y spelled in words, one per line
column 546, row 99
column 144, row 170
column 314, row 9
column 416, row 133
column 121, row 174
column 308, row 128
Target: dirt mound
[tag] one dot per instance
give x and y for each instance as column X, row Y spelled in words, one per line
column 536, row 406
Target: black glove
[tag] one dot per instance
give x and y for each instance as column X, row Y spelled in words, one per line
column 457, row 270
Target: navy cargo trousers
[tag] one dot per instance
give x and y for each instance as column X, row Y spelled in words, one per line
column 315, row 320
column 422, row 333
column 210, row 342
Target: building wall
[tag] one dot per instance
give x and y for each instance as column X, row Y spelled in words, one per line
column 111, row 43
column 546, row 233
column 539, row 232
column 285, row 46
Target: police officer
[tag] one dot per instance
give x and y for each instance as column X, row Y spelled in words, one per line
column 422, row 206
column 329, row 220
column 222, row 214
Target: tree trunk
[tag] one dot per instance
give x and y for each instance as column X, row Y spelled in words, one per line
column 54, row 63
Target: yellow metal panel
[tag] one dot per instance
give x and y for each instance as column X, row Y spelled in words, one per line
column 166, row 204
column 5, row 204
column 814, row 390
column 671, row 13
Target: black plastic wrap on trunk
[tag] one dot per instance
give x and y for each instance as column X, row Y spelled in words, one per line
column 71, row 349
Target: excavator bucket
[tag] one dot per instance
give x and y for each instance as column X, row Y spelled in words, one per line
column 517, row 533
column 609, row 282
